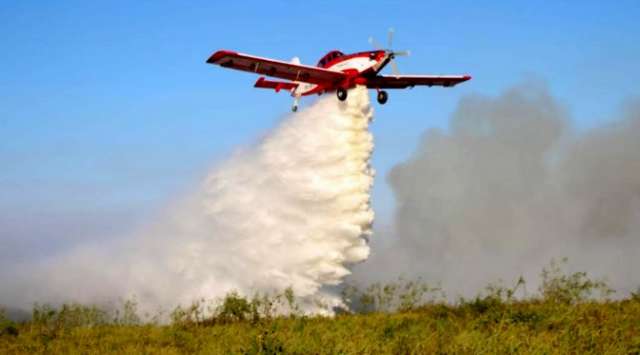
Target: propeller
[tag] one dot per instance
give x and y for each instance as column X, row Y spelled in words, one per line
column 391, row 52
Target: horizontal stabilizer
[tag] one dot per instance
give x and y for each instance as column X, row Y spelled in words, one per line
column 275, row 85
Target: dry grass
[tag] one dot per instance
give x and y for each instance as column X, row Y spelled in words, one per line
column 570, row 314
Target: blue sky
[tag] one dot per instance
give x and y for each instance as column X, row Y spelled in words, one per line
column 108, row 111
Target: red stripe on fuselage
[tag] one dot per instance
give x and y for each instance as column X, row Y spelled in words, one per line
column 379, row 55
column 355, row 76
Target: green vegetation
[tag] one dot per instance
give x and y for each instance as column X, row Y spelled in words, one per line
column 570, row 314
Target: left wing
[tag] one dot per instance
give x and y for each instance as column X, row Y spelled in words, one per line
column 404, row 81
column 276, row 68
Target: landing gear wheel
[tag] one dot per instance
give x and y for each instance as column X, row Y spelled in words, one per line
column 294, row 107
column 382, row 97
column 342, row 94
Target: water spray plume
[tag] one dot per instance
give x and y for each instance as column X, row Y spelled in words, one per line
column 292, row 211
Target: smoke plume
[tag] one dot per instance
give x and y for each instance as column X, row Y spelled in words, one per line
column 509, row 187
column 292, row 211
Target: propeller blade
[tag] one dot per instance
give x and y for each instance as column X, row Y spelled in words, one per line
column 402, row 53
column 390, row 38
column 374, row 43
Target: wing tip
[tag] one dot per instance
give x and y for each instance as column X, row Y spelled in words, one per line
column 215, row 57
column 466, row 77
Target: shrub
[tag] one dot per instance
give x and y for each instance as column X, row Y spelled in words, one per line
column 71, row 315
column 7, row 327
column 402, row 295
column 129, row 314
column 559, row 287
column 234, row 308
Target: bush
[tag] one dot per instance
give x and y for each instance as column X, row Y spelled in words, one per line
column 68, row 316
column 559, row 287
column 401, row 295
column 7, row 327
column 129, row 313
column 235, row 308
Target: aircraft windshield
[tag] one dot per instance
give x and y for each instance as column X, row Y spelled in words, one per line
column 329, row 57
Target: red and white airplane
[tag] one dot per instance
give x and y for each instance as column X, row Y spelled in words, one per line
column 335, row 71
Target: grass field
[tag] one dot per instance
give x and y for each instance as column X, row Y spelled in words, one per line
column 570, row 314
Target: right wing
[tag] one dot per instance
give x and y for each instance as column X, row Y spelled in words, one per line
column 404, row 81
column 276, row 68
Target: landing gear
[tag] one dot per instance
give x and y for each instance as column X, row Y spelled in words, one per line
column 294, row 108
column 342, row 94
column 382, row 97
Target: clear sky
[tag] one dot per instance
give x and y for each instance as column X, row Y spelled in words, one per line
column 108, row 110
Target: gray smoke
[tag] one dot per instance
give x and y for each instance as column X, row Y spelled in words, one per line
column 509, row 187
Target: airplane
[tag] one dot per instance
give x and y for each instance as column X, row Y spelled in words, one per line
column 335, row 71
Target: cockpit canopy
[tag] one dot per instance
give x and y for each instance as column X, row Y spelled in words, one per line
column 329, row 57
